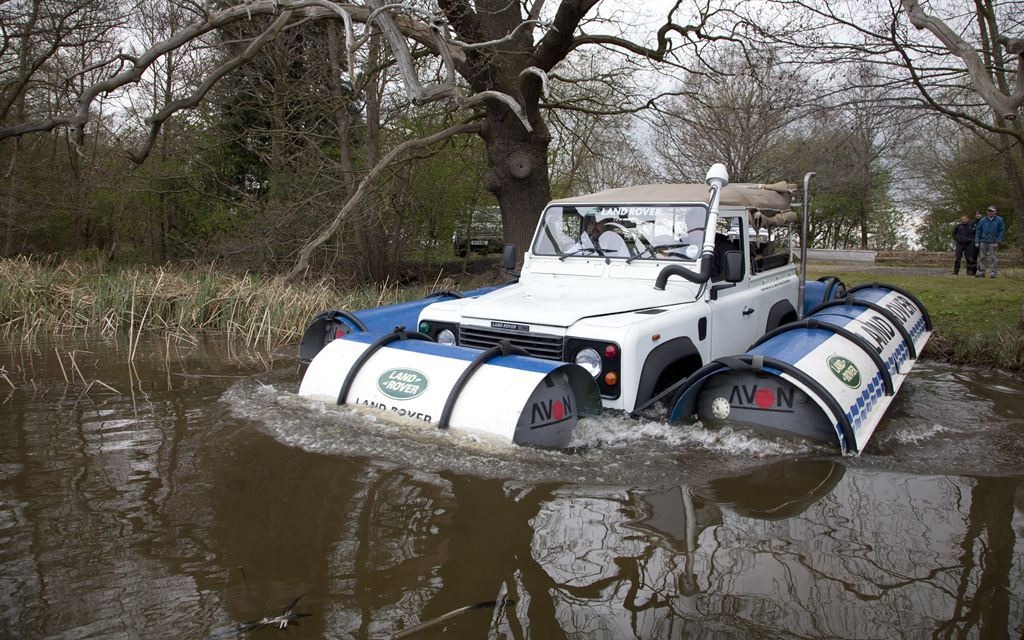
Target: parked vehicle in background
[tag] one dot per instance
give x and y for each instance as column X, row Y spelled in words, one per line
column 480, row 232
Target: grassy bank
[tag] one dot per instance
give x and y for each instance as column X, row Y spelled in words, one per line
column 975, row 319
column 72, row 298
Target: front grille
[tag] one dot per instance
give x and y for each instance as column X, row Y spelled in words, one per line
column 538, row 345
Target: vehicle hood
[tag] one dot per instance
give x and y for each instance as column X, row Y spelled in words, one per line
column 566, row 301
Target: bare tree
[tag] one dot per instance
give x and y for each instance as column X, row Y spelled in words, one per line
column 48, row 53
column 939, row 58
column 993, row 67
column 597, row 140
column 989, row 68
column 490, row 56
column 742, row 118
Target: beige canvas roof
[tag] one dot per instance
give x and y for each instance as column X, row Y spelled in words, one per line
column 766, row 198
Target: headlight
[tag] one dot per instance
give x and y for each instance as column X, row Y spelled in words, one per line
column 590, row 360
column 446, row 337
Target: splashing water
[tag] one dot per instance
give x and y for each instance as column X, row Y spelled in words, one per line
column 610, row 448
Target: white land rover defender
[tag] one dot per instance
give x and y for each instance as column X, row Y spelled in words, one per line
column 641, row 285
column 681, row 295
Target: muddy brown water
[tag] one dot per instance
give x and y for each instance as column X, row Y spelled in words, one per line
column 204, row 494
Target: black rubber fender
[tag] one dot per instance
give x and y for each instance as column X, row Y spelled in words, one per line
column 660, row 359
column 779, row 310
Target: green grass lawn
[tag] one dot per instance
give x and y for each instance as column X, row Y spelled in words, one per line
column 975, row 319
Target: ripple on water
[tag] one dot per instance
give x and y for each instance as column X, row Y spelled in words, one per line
column 915, row 434
column 946, row 419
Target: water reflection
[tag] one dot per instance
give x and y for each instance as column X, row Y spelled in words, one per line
column 89, row 545
column 165, row 511
column 830, row 553
column 612, row 582
column 389, row 539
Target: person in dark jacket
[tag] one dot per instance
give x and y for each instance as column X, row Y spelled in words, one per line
column 972, row 260
column 963, row 239
column 990, row 232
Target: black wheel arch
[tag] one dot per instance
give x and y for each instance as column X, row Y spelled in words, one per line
column 780, row 313
column 676, row 358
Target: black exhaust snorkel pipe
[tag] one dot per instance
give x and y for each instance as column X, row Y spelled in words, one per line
column 716, row 180
column 699, row 277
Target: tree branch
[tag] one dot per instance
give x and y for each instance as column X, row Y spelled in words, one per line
column 395, row 28
column 132, row 75
column 558, row 41
column 960, row 116
column 302, row 263
column 157, row 121
column 1004, row 105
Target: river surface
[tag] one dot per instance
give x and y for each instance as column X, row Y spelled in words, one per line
column 194, row 492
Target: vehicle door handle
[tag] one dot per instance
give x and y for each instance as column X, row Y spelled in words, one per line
column 748, row 311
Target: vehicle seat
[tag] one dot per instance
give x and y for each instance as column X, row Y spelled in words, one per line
column 556, row 242
column 722, row 244
column 613, row 244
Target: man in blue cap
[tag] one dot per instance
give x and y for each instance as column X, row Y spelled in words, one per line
column 990, row 232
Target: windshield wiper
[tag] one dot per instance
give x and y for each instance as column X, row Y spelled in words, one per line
column 654, row 248
column 583, row 250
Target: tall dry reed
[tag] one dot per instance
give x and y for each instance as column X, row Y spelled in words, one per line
column 37, row 298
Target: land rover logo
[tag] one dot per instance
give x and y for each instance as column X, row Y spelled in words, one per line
column 402, row 384
column 510, row 326
column 845, row 370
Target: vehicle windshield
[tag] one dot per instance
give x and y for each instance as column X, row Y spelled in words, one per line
column 629, row 232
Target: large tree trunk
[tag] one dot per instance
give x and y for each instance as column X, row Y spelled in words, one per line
column 1013, row 164
column 517, row 160
column 517, row 173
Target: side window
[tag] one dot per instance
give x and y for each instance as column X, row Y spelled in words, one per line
column 769, row 250
column 727, row 238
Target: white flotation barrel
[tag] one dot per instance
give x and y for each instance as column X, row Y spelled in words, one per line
column 830, row 376
column 498, row 391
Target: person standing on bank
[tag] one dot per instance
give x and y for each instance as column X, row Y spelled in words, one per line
column 963, row 239
column 972, row 260
column 991, row 231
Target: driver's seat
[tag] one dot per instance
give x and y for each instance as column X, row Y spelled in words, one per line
column 613, row 244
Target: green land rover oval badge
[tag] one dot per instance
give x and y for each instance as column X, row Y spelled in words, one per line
column 845, row 370
column 402, row 384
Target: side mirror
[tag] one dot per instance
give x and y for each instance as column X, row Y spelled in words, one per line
column 733, row 267
column 508, row 260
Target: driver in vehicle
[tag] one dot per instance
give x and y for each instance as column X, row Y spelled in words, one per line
column 659, row 232
column 602, row 235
